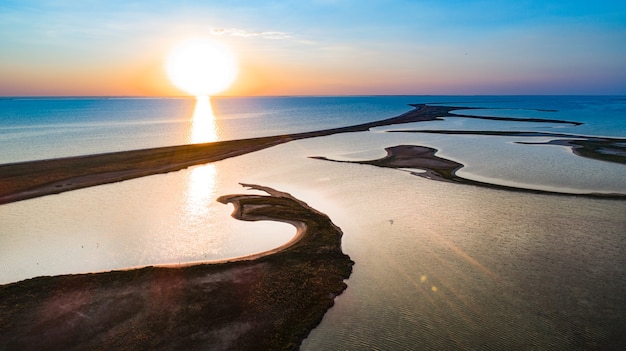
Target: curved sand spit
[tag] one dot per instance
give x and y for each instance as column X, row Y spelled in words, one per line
column 268, row 301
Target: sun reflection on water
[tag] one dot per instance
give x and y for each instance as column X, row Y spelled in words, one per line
column 203, row 126
column 202, row 179
column 201, row 187
column 200, row 190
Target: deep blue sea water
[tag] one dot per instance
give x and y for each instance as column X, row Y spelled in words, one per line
column 36, row 128
column 39, row 128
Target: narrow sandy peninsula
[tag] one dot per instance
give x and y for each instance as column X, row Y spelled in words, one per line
column 269, row 301
column 26, row 180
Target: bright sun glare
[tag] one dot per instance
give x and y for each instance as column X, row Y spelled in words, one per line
column 201, row 67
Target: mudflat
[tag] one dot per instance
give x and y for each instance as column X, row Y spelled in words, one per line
column 267, row 302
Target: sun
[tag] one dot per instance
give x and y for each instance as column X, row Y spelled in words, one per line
column 201, row 67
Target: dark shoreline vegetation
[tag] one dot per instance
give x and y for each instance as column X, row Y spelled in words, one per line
column 267, row 301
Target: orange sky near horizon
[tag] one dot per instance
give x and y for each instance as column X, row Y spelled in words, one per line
column 398, row 47
column 140, row 78
column 148, row 78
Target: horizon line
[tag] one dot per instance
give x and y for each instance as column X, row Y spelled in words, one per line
column 9, row 97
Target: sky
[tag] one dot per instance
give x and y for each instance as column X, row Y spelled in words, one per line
column 318, row 47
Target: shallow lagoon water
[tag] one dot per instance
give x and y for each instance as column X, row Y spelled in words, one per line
column 445, row 275
column 438, row 265
column 161, row 219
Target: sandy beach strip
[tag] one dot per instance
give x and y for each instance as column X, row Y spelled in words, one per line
column 31, row 179
column 26, row 180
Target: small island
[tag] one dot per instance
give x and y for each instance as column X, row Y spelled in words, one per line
column 422, row 161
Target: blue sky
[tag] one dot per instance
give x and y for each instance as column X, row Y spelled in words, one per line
column 319, row 47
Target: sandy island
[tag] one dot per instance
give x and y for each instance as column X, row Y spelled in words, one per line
column 597, row 148
column 441, row 169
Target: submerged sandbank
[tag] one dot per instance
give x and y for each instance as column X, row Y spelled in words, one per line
column 596, row 148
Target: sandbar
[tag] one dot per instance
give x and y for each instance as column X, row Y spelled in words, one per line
column 267, row 302
column 437, row 168
column 31, row 179
column 597, row 148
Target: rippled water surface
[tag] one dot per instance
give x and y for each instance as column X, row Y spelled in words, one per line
column 438, row 265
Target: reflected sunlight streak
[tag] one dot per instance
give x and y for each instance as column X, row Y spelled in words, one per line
column 203, row 126
column 201, row 190
column 202, row 179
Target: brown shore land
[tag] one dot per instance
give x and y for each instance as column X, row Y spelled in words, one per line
column 31, row 179
column 269, row 301
column 441, row 169
column 597, row 148
column 26, row 180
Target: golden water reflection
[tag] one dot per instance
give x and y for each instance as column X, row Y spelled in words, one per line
column 201, row 188
column 199, row 211
column 202, row 179
column 203, row 126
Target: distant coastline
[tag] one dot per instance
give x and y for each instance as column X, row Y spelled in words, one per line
column 31, row 179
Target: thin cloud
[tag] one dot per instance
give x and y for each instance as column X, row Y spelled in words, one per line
column 236, row 32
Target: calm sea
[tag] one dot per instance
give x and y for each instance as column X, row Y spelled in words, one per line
column 438, row 265
column 37, row 128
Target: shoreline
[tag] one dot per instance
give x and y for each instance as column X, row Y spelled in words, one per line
column 32, row 179
column 595, row 148
column 251, row 302
column 442, row 169
column 267, row 302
